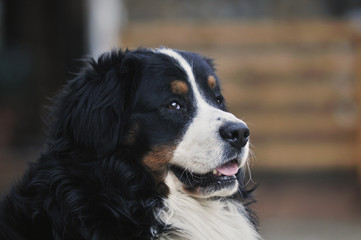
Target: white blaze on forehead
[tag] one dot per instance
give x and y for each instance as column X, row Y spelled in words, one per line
column 186, row 67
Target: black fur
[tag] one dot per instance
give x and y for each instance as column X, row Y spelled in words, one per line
column 85, row 185
column 89, row 184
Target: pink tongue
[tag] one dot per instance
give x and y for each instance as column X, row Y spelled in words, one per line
column 228, row 169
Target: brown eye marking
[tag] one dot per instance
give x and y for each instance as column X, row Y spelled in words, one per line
column 211, row 81
column 179, row 87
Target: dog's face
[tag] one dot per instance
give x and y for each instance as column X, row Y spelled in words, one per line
column 179, row 114
column 162, row 108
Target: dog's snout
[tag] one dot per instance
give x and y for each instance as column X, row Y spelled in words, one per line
column 235, row 133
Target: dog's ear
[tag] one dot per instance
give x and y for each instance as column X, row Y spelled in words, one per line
column 94, row 107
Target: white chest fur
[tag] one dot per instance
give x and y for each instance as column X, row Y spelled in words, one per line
column 195, row 219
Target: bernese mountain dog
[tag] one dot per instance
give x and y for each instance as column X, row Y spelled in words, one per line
column 140, row 146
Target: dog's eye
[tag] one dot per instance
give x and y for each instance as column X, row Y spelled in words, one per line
column 174, row 106
column 219, row 100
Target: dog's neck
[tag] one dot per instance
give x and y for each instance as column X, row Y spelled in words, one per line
column 191, row 218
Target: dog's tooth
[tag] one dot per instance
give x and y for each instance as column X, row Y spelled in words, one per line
column 215, row 171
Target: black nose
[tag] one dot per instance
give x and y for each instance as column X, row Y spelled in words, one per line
column 235, row 133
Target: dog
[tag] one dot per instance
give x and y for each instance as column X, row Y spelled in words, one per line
column 140, row 146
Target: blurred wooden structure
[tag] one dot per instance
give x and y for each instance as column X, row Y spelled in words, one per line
column 297, row 84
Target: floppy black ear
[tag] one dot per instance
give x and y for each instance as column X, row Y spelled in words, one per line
column 94, row 107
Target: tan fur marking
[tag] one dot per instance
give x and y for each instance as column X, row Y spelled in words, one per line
column 159, row 157
column 179, row 87
column 157, row 161
column 211, row 81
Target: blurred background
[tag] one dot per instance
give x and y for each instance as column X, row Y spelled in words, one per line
column 290, row 69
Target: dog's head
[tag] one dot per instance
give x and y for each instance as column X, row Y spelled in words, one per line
column 163, row 108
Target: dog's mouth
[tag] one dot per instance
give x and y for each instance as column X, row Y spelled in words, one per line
column 223, row 176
